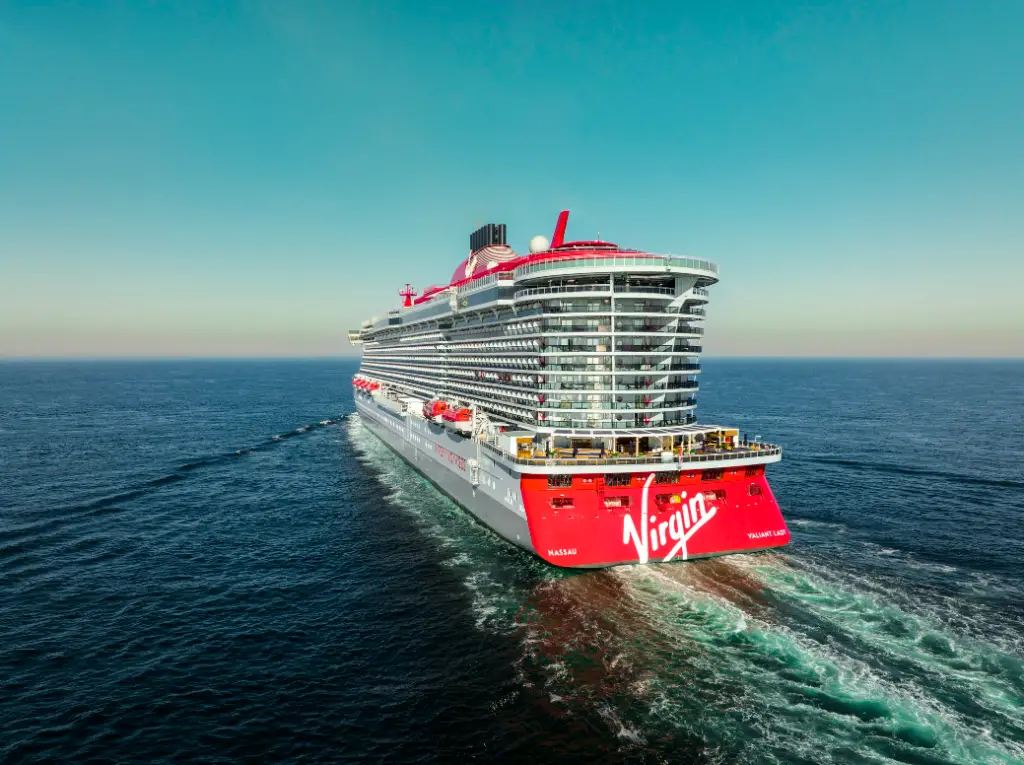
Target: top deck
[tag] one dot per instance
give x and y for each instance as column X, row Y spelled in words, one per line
column 577, row 451
column 693, row 446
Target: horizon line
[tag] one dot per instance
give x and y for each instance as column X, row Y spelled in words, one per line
column 337, row 357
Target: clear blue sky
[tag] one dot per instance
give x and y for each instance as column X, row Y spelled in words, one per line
column 256, row 178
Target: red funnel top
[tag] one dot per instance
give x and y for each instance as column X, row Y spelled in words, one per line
column 559, row 236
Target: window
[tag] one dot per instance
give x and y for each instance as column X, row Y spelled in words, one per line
column 670, row 477
column 719, row 495
column 559, row 481
column 616, row 501
column 618, row 479
column 753, row 470
column 753, row 490
column 561, row 502
column 711, row 475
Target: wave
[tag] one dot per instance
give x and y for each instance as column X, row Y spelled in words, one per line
column 58, row 517
column 881, row 467
column 489, row 566
column 811, row 668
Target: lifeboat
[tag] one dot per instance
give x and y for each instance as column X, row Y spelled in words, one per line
column 434, row 408
column 457, row 415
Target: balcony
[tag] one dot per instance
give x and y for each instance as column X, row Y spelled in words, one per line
column 606, row 386
column 566, row 289
column 578, row 348
column 624, row 406
column 638, row 289
column 575, row 308
column 576, row 386
column 591, row 289
column 617, row 261
column 643, row 307
column 655, row 350
column 634, row 367
column 631, row 326
column 625, row 424
column 585, row 368
column 639, row 386
column 549, row 327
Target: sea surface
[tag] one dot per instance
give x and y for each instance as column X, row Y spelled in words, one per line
column 215, row 561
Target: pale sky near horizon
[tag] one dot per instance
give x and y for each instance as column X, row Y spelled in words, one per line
column 255, row 178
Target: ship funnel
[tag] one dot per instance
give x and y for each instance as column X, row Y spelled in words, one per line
column 559, row 235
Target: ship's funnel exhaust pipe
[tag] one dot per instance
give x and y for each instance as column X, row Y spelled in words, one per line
column 559, row 236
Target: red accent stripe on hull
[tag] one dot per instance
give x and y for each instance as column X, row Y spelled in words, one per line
column 594, row 522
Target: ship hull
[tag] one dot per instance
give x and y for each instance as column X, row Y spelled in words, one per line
column 442, row 458
column 659, row 516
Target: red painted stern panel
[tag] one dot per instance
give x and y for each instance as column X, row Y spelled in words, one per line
column 601, row 520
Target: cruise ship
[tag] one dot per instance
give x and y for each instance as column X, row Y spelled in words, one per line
column 552, row 394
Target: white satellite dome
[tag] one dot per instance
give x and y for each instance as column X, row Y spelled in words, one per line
column 539, row 244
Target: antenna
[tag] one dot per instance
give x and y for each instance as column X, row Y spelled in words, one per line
column 408, row 293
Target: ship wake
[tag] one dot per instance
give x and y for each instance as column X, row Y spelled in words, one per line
column 55, row 519
column 761, row 658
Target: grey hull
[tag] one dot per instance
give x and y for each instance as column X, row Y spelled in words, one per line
column 480, row 502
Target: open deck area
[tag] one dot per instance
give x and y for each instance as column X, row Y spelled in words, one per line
column 568, row 457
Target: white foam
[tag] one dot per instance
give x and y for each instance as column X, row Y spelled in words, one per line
column 854, row 681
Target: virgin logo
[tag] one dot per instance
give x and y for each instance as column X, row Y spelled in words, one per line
column 676, row 527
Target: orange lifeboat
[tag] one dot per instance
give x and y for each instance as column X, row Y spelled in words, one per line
column 432, row 409
column 457, row 415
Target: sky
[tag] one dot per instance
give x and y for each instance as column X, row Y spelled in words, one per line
column 248, row 179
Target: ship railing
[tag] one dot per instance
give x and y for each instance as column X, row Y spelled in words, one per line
column 638, row 289
column 634, row 326
column 639, row 388
column 677, row 461
column 577, row 348
column 584, row 368
column 654, row 350
column 626, row 388
column 593, row 288
column 560, row 309
column 628, row 423
column 601, row 406
column 531, row 291
column 550, row 327
column 659, row 309
column 642, row 260
column 637, row 368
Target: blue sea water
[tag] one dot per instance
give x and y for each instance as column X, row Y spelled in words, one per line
column 214, row 561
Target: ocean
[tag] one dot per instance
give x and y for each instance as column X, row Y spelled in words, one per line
column 215, row 561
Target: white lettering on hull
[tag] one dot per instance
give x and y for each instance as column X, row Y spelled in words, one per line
column 562, row 551
column 680, row 525
column 765, row 534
